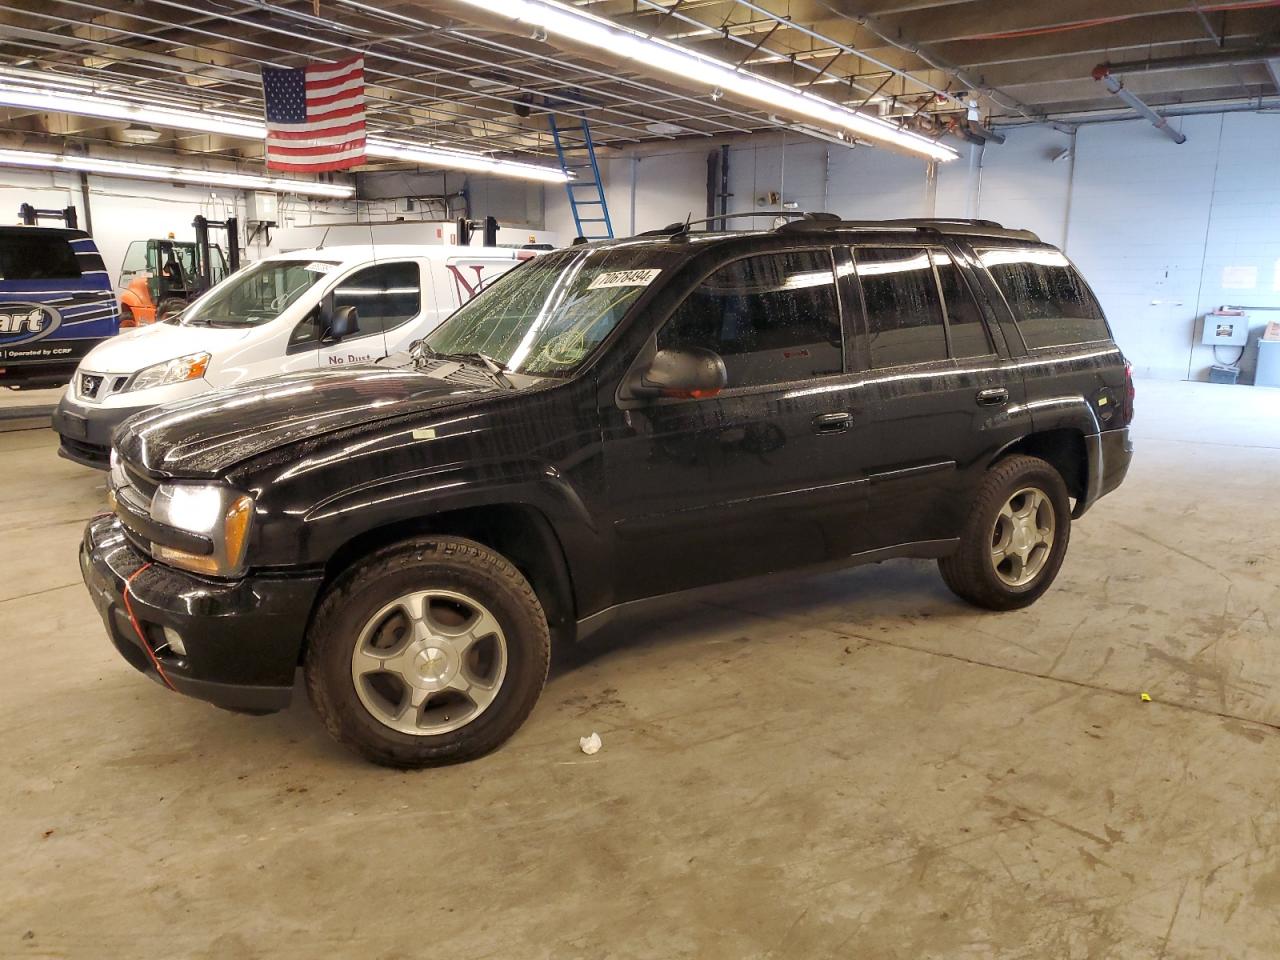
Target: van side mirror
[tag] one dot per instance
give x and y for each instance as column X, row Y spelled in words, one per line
column 339, row 324
column 691, row 374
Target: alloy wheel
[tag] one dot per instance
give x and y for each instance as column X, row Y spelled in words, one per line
column 429, row 662
column 1022, row 536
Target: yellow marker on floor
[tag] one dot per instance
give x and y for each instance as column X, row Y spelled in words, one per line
column 1146, row 698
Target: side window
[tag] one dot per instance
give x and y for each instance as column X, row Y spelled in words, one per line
column 969, row 336
column 1050, row 303
column 904, row 314
column 307, row 330
column 772, row 318
column 135, row 261
column 37, row 256
column 384, row 295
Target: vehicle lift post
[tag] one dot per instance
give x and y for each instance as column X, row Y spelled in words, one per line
column 31, row 216
column 202, row 226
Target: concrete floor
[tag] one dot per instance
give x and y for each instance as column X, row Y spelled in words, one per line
column 851, row 765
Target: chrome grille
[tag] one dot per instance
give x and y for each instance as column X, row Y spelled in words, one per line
column 144, row 486
column 88, row 385
column 132, row 491
column 96, row 387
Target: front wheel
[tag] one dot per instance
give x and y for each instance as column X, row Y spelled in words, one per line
column 428, row 652
column 1015, row 537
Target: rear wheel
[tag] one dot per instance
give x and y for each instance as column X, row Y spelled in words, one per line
column 428, row 652
column 1015, row 537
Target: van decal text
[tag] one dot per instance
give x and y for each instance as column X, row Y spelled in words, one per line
column 24, row 322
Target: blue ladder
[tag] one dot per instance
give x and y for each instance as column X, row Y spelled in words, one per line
column 586, row 192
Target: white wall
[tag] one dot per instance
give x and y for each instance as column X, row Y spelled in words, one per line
column 1163, row 232
column 127, row 210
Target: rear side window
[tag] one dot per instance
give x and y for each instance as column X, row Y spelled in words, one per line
column 904, row 313
column 37, row 256
column 772, row 318
column 385, row 295
column 969, row 336
column 1050, row 302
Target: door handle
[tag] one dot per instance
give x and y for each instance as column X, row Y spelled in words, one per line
column 993, row 397
column 832, row 422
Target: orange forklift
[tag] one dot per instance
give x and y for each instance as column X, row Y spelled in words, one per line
column 160, row 277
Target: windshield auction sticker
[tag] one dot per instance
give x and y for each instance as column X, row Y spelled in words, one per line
column 624, row 278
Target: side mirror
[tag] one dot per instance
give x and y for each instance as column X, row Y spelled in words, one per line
column 339, row 324
column 691, row 373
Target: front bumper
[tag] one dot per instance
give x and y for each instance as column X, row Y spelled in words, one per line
column 243, row 638
column 85, row 432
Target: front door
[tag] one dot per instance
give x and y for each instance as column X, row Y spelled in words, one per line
column 768, row 474
column 944, row 396
column 387, row 296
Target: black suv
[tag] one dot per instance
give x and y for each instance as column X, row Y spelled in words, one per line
column 607, row 424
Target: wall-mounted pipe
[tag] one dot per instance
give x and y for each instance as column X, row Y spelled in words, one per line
column 1219, row 58
column 1103, row 72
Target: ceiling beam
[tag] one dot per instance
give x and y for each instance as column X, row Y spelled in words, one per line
column 1005, row 17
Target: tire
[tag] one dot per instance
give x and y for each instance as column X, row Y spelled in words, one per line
column 363, row 643
column 973, row 573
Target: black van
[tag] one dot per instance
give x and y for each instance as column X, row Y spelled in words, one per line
column 607, row 424
column 56, row 304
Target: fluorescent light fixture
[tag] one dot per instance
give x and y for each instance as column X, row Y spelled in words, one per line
column 106, row 108
column 61, row 101
column 651, row 53
column 456, row 160
column 148, row 171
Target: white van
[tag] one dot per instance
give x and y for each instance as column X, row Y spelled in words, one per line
column 273, row 316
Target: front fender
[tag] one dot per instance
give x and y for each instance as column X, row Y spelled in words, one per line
column 293, row 535
column 451, row 487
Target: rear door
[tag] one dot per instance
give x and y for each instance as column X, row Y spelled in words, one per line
column 768, row 474
column 945, row 396
column 1071, row 358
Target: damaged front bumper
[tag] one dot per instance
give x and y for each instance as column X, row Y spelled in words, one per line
column 235, row 644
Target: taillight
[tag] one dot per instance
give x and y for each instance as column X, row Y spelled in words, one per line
column 1129, row 394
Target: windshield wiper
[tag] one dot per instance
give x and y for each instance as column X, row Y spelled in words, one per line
column 421, row 352
column 495, row 368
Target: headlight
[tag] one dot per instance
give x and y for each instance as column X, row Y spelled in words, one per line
column 219, row 515
column 177, row 370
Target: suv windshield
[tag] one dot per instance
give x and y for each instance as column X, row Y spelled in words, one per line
column 546, row 316
column 257, row 294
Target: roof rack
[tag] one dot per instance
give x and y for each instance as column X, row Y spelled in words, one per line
column 817, row 221
column 947, row 225
column 682, row 226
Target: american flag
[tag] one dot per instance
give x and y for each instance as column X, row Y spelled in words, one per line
column 315, row 116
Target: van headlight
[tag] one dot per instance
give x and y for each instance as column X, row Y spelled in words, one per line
column 217, row 515
column 178, row 370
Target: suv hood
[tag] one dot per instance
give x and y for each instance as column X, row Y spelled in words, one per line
column 207, row 435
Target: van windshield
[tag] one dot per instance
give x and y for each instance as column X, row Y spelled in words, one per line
column 255, row 295
column 546, row 317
